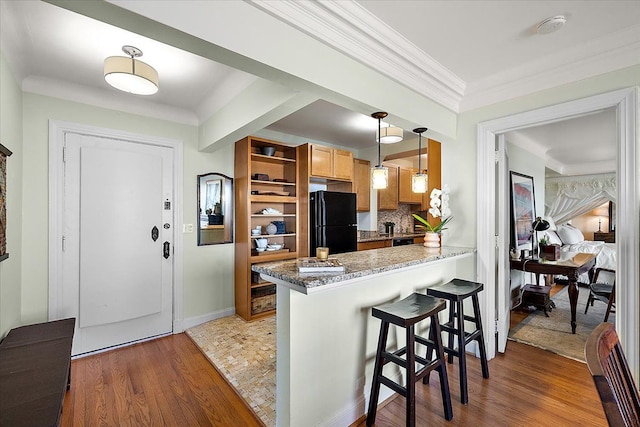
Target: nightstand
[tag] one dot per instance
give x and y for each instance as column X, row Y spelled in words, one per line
column 605, row 237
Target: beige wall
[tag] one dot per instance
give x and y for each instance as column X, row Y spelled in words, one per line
column 208, row 271
column 11, row 137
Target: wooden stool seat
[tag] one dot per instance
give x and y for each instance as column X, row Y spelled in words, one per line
column 406, row 313
column 456, row 291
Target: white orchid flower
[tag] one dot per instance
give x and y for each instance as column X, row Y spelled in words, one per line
column 434, row 212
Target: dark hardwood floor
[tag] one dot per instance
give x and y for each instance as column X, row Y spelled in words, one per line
column 168, row 382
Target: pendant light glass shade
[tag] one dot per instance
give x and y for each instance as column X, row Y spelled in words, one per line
column 379, row 173
column 389, row 135
column 419, row 183
column 379, row 177
column 419, row 180
column 129, row 74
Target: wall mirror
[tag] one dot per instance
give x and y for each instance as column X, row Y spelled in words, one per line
column 215, row 209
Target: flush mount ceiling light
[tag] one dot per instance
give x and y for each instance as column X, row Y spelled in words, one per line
column 389, row 134
column 379, row 173
column 129, row 74
column 419, row 180
column 551, row 25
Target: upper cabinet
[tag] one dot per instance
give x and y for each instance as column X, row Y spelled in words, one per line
column 388, row 197
column 362, row 184
column 331, row 163
column 405, row 191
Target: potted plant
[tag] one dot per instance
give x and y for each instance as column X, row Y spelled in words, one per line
column 439, row 209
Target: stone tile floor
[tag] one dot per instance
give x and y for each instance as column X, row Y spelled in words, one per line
column 245, row 353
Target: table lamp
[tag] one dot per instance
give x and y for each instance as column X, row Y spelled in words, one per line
column 538, row 225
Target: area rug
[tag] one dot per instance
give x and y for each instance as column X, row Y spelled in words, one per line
column 245, row 353
column 553, row 333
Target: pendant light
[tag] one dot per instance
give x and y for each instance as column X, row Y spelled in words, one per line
column 419, row 180
column 379, row 173
column 129, row 74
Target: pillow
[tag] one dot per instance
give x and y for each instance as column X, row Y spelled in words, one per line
column 570, row 235
column 553, row 238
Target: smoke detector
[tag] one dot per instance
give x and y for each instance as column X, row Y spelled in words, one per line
column 551, row 25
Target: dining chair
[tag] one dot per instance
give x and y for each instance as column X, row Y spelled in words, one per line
column 612, row 377
column 605, row 292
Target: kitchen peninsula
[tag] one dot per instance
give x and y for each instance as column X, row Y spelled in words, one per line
column 326, row 336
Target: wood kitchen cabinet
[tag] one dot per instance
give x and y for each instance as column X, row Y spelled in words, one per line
column 376, row 244
column 388, row 197
column 434, row 172
column 405, row 192
column 362, row 184
column 277, row 188
column 331, row 163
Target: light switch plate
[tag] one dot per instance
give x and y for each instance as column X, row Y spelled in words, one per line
column 187, row 228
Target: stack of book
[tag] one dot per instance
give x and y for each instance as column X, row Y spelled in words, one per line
column 315, row 265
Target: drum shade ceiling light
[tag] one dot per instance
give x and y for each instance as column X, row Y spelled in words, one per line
column 389, row 135
column 129, row 74
column 379, row 173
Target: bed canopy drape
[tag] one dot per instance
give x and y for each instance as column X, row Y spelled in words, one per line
column 569, row 197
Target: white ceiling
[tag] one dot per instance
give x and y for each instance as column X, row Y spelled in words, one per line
column 487, row 51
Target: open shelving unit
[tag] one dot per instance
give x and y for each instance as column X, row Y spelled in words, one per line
column 255, row 298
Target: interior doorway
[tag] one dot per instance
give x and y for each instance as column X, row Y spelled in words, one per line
column 625, row 103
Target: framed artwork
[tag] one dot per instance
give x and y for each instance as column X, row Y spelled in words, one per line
column 4, row 153
column 523, row 210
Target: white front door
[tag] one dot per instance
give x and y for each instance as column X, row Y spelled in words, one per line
column 117, row 260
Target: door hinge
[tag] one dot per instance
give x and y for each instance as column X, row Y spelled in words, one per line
column 64, row 239
column 64, row 154
column 497, row 241
column 496, row 156
column 496, row 327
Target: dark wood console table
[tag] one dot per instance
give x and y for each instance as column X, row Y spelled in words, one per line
column 571, row 264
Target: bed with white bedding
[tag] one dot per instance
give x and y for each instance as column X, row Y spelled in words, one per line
column 572, row 240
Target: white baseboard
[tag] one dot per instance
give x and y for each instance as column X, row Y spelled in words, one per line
column 199, row 320
column 351, row 412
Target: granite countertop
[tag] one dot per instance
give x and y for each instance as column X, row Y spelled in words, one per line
column 358, row 264
column 372, row 236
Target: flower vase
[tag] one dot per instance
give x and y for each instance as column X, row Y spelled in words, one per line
column 431, row 239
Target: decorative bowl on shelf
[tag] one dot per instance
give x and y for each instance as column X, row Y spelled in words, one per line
column 275, row 247
column 268, row 151
column 272, row 228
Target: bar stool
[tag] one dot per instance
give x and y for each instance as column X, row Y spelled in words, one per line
column 406, row 313
column 456, row 291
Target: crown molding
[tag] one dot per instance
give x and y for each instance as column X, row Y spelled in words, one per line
column 350, row 28
column 613, row 52
column 107, row 99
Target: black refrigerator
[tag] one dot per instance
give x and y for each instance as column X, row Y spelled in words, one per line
column 333, row 222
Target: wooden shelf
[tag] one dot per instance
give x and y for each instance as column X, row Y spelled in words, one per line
column 267, row 236
column 261, row 182
column 282, row 196
column 261, row 285
column 272, row 199
column 275, row 257
column 271, row 215
column 270, row 159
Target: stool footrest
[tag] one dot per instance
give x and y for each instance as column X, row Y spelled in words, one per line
column 393, row 385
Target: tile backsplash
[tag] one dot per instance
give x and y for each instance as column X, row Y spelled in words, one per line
column 402, row 217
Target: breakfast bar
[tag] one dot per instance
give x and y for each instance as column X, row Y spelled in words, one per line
column 326, row 336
